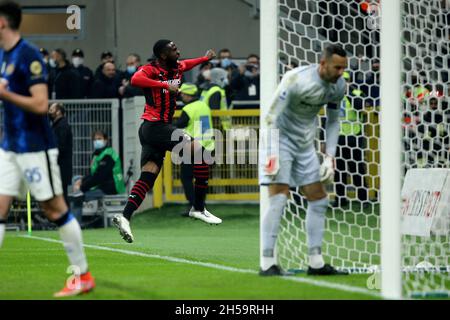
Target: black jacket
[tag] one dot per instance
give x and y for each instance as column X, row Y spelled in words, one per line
column 240, row 85
column 130, row 91
column 65, row 82
column 103, row 178
column 86, row 80
column 104, row 88
column 64, row 139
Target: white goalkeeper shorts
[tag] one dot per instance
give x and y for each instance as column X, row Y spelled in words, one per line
column 298, row 167
column 35, row 171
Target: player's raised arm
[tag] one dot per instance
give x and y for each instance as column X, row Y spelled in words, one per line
column 37, row 103
column 191, row 63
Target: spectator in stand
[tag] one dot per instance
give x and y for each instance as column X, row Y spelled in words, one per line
column 434, row 136
column 106, row 85
column 225, row 62
column 204, row 77
column 64, row 139
column 126, row 90
column 64, row 81
column 106, row 56
column 245, row 82
column 46, row 58
column 86, row 75
column 45, row 55
column 419, row 93
column 105, row 177
column 214, row 95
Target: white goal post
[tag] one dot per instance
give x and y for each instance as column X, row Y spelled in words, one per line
column 390, row 149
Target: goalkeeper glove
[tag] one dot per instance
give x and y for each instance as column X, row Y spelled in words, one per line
column 327, row 170
column 272, row 165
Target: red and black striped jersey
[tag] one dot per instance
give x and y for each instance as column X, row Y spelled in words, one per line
column 160, row 103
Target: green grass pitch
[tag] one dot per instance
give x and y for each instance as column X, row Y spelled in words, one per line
column 214, row 262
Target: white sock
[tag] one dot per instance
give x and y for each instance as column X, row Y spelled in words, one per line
column 2, row 233
column 70, row 233
column 270, row 227
column 316, row 261
column 267, row 262
column 315, row 227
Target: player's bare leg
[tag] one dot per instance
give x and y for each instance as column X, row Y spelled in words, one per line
column 315, row 226
column 201, row 175
column 278, row 195
column 149, row 173
column 56, row 210
column 5, row 203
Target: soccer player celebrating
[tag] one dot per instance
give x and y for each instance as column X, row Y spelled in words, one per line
column 160, row 81
column 28, row 152
column 301, row 94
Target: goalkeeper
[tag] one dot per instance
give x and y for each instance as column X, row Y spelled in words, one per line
column 301, row 94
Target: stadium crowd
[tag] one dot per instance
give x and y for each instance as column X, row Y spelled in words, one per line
column 74, row 80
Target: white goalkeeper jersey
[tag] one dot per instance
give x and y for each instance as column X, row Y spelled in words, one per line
column 298, row 100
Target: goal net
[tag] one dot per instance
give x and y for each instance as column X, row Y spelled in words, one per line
column 352, row 237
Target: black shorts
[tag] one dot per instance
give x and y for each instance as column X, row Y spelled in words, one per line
column 156, row 139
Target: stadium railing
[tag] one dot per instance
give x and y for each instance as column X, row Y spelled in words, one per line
column 86, row 116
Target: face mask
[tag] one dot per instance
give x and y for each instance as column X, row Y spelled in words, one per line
column 225, row 63
column 131, row 69
column 77, row 61
column 99, row 144
column 52, row 63
column 206, row 74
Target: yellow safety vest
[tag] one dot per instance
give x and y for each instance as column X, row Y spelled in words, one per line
column 350, row 122
column 200, row 124
column 206, row 95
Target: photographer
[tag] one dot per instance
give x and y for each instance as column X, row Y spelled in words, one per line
column 245, row 82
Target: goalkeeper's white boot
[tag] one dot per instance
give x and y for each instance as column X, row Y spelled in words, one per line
column 205, row 216
column 124, row 227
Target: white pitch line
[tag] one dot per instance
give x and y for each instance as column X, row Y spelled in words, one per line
column 318, row 283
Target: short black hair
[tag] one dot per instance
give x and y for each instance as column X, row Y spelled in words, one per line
column 100, row 133
column 61, row 52
column 333, row 49
column 12, row 12
column 252, row 55
column 224, row 50
column 160, row 46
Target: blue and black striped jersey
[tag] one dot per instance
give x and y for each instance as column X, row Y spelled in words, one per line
column 23, row 131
